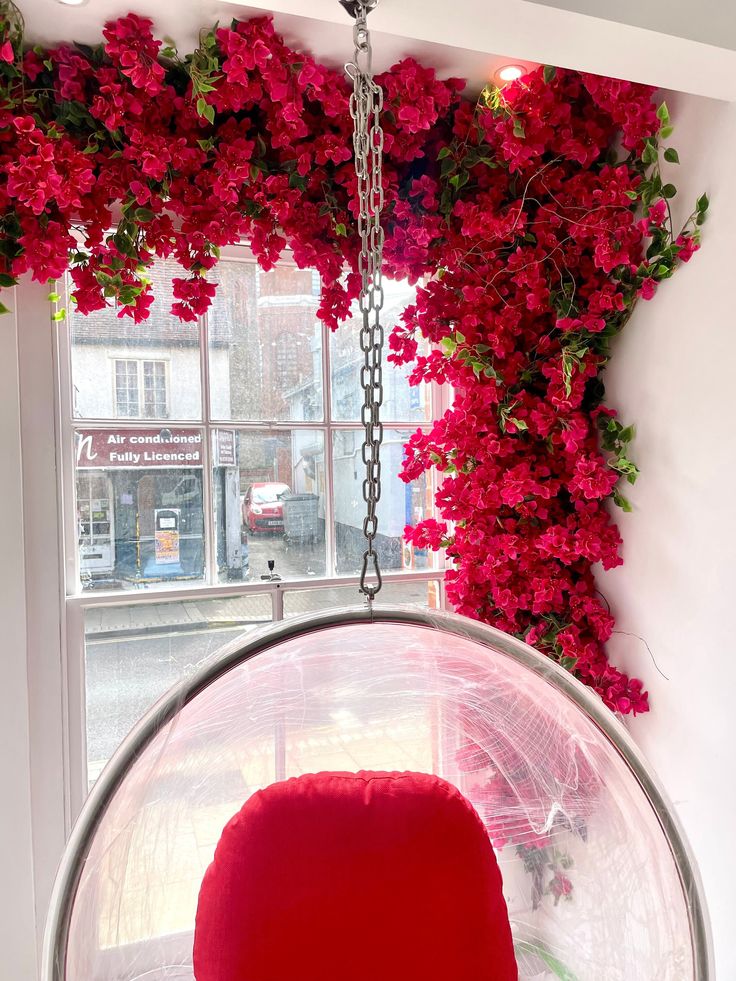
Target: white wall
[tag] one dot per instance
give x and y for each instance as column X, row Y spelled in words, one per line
column 93, row 375
column 674, row 374
column 17, row 916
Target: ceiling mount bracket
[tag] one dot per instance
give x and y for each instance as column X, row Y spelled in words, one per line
column 352, row 6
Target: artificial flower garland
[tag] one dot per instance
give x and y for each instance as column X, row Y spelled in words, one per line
column 538, row 214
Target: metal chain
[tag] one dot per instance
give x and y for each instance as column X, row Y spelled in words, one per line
column 366, row 103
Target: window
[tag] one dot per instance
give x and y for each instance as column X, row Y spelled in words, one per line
column 127, row 402
column 136, row 378
column 154, row 389
column 217, row 484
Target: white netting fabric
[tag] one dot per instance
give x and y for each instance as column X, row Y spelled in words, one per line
column 592, row 888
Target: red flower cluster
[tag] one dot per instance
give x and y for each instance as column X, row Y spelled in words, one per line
column 536, row 234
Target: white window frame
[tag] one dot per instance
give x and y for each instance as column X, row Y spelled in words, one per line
column 75, row 603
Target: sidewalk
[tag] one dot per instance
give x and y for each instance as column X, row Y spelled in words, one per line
column 182, row 615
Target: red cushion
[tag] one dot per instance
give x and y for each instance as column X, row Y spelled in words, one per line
column 354, row 877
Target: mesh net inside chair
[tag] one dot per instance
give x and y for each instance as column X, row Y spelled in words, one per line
column 596, row 876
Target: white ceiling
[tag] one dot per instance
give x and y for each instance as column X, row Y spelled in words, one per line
column 711, row 21
column 471, row 38
column 48, row 21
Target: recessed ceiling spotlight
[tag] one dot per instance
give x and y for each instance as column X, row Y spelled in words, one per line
column 73, row 3
column 509, row 73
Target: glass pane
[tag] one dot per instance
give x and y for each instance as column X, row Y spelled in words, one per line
column 140, row 520
column 134, row 653
column 400, row 505
column 425, row 594
column 154, row 390
column 127, row 403
column 268, row 495
column 401, row 402
column 111, row 359
column 265, row 344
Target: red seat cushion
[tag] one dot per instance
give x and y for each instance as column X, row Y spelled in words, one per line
column 354, row 877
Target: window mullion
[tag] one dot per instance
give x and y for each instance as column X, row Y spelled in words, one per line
column 207, row 470
column 327, row 453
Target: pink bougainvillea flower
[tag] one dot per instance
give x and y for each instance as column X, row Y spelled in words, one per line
column 528, row 247
column 657, row 213
column 687, row 247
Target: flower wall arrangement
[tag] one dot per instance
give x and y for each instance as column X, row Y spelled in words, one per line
column 538, row 214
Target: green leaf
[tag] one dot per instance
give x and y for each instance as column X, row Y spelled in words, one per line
column 649, row 154
column 59, row 315
column 447, row 166
column 448, row 346
column 519, row 129
column 538, row 949
column 632, row 195
column 53, row 297
column 666, row 131
column 620, row 501
column 341, row 228
column 444, row 152
column 549, row 72
column 669, row 191
column 671, row 155
column 206, row 110
column 4, row 309
column 663, row 113
column 702, row 204
column 143, row 214
column 6, row 280
column 625, row 467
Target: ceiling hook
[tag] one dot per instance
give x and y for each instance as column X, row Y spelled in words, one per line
column 353, row 6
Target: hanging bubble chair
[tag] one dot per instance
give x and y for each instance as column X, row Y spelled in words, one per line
column 597, row 881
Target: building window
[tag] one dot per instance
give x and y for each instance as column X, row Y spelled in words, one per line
column 154, row 389
column 140, row 389
column 259, row 471
column 127, row 402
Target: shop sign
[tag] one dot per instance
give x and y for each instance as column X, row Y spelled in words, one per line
column 102, row 449
column 224, row 446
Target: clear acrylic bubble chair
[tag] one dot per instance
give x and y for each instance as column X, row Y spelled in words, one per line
column 597, row 878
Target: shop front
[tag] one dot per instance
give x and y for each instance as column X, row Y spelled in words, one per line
column 139, row 506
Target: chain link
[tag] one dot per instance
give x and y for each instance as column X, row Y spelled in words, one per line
column 366, row 103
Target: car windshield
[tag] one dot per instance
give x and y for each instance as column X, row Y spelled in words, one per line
column 270, row 494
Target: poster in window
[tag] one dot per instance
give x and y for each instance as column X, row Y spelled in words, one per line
column 166, row 536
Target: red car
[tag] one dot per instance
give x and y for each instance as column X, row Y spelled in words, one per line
column 263, row 508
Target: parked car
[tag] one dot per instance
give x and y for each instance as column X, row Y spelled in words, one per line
column 263, row 507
